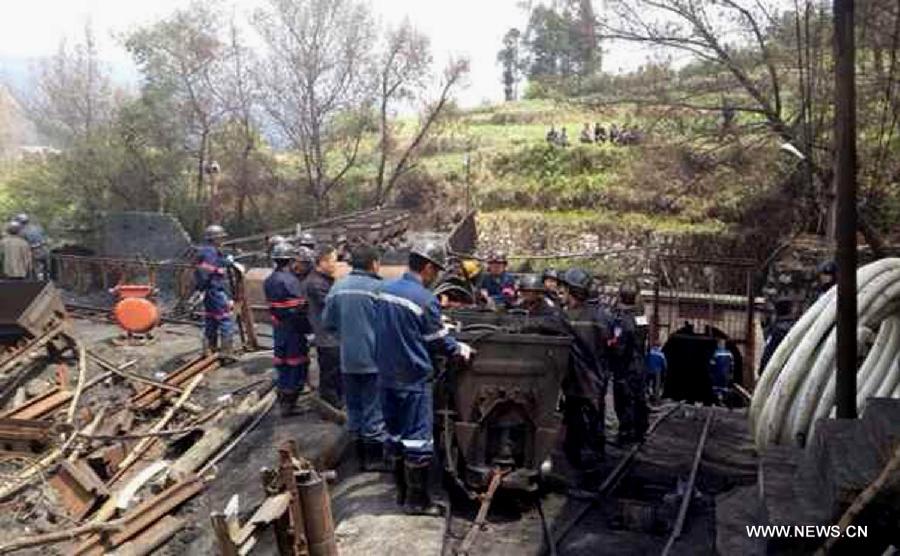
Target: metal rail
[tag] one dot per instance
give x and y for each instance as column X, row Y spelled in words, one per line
column 689, row 490
column 610, row 483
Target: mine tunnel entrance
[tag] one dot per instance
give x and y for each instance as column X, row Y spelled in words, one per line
column 688, row 353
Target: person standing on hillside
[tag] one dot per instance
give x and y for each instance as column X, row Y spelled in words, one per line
column 17, row 255
column 586, row 137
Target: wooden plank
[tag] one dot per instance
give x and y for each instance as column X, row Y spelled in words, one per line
column 143, row 516
column 271, row 509
column 152, row 538
column 227, row 547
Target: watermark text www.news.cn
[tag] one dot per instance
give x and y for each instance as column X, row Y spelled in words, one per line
column 807, row 531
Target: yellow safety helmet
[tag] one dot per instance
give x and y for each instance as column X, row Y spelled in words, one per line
column 471, row 268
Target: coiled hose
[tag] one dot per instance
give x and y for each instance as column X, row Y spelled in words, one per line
column 797, row 386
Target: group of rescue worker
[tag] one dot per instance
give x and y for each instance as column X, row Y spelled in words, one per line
column 24, row 250
column 373, row 340
column 376, row 341
column 609, row 345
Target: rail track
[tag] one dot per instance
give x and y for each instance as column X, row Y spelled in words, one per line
column 553, row 533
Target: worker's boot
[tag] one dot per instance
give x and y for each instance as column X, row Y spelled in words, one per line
column 418, row 500
column 227, row 354
column 395, row 463
column 287, row 402
column 372, row 456
column 210, row 344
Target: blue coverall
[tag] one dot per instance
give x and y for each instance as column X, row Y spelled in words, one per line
column 408, row 331
column 211, row 278
column 656, row 370
column 721, row 369
column 289, row 328
column 502, row 288
column 350, row 311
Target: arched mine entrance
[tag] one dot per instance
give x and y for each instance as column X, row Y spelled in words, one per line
column 688, row 353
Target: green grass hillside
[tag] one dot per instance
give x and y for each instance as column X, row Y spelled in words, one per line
column 529, row 192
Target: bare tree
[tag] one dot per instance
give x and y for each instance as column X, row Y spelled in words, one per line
column 316, row 82
column 431, row 113
column 742, row 41
column 71, row 96
column 402, row 74
column 184, row 56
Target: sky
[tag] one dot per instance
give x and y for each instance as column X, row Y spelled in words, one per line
column 33, row 28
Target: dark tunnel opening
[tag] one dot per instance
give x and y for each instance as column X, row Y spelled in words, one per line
column 688, row 354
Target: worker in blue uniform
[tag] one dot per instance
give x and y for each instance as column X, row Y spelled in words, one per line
column 287, row 307
column 408, row 332
column 497, row 285
column 211, row 279
column 721, row 372
column 350, row 312
column 657, row 366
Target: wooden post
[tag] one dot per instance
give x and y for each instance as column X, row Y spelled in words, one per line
column 281, row 527
column 749, row 380
column 223, row 535
column 286, row 474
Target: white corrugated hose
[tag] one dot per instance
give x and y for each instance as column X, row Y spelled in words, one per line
column 797, row 386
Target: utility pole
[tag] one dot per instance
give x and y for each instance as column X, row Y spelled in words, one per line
column 845, row 180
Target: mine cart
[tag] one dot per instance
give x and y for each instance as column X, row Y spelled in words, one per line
column 498, row 414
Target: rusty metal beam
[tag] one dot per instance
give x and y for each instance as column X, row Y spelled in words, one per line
column 39, row 406
column 24, row 436
column 79, row 488
column 149, row 396
column 13, row 359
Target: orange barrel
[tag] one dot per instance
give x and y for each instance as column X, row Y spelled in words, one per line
column 136, row 314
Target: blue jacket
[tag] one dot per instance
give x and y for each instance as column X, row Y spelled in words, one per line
column 408, row 331
column 500, row 288
column 350, row 312
column 721, row 367
column 656, row 361
column 211, row 272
